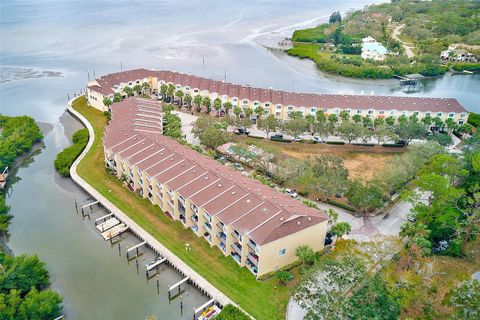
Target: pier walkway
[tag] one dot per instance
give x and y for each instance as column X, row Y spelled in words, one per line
column 196, row 279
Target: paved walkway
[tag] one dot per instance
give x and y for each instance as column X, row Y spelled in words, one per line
column 194, row 277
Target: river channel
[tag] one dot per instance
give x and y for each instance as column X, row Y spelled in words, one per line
column 48, row 51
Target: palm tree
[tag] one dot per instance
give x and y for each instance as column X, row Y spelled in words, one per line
column 146, row 87
column 378, row 122
column 451, row 125
column 107, row 102
column 320, row 115
column 228, row 106
column 179, row 94
column 427, row 121
column 344, row 115
column 138, row 89
column 170, row 90
column 128, row 91
column 163, row 90
column 367, row 122
column 188, row 101
column 259, row 111
column 198, row 102
column 357, row 118
column 390, row 120
column 248, row 112
column 207, row 103
column 117, row 97
column 217, row 104
column 237, row 111
column 438, row 122
column 333, row 118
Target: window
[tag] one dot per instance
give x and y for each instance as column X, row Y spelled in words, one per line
column 439, row 114
column 187, row 88
column 290, row 108
column 279, row 107
column 450, row 115
column 462, row 115
column 313, row 110
column 277, row 114
column 392, row 113
column 427, row 114
column 267, row 105
column 460, row 122
column 336, row 110
column 129, row 83
column 370, row 111
column 381, row 112
column 415, row 113
column 245, row 101
column 325, row 110
column 195, row 91
column 178, row 87
column 359, row 111
column 256, row 103
column 282, row 252
column 138, row 81
column 348, row 111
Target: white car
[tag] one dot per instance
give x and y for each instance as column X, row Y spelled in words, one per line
column 292, row 193
column 316, row 139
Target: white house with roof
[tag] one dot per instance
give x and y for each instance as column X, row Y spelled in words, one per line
column 372, row 49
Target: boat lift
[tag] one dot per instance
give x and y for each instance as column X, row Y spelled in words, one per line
column 154, row 265
column 135, row 247
column 176, row 285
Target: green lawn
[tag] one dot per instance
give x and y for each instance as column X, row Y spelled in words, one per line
column 263, row 300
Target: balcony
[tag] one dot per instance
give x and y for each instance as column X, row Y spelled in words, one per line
column 237, row 236
column 253, row 268
column 222, row 236
column 237, row 247
column 252, row 245
column 182, row 218
column 194, row 229
column 194, row 218
column 253, row 258
column 221, row 226
column 208, row 237
column 222, row 247
column 181, row 208
column 236, row 257
column 207, row 226
column 207, row 217
column 171, row 204
column 159, row 195
column 194, row 208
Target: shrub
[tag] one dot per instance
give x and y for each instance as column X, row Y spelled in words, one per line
column 65, row 159
column 310, row 204
column 230, row 312
column 474, row 119
column 335, row 142
column 341, row 205
column 284, row 277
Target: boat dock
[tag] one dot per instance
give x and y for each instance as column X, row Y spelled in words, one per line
column 125, row 223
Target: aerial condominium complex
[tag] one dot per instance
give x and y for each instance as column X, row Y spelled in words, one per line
column 279, row 103
column 259, row 227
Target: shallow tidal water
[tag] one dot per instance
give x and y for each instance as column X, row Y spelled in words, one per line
column 49, row 50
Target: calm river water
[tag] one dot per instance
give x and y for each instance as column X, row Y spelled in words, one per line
column 78, row 40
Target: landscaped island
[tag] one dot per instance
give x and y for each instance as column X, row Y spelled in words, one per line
column 398, row 38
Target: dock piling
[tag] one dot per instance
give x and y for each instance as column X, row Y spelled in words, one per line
column 158, row 286
column 136, row 262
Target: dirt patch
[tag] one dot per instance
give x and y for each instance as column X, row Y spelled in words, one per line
column 361, row 162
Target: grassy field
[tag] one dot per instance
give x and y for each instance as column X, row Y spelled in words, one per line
column 361, row 162
column 263, row 300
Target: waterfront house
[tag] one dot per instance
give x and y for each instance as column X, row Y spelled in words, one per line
column 257, row 226
column 371, row 49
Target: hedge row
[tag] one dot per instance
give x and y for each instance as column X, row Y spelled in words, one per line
column 341, row 205
column 335, row 142
column 394, row 145
column 281, row 140
column 65, row 159
column 364, row 144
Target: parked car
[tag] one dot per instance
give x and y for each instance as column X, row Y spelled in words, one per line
column 412, row 217
column 328, row 241
column 402, row 142
column 316, row 139
column 221, row 159
column 297, row 139
column 243, row 130
column 291, row 193
column 238, row 166
column 277, row 136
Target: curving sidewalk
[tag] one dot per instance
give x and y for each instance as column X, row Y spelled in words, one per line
column 194, row 277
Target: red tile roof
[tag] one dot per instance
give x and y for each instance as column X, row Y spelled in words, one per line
column 249, row 206
column 106, row 84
